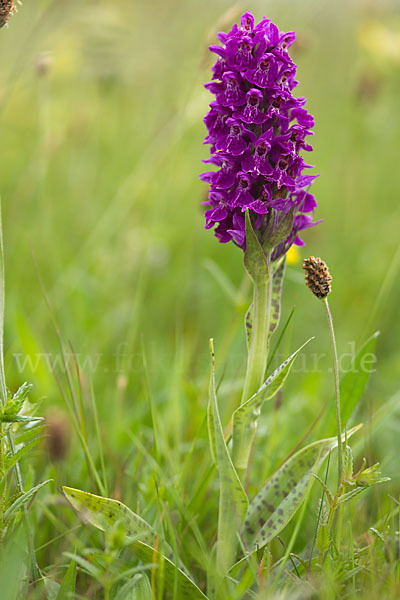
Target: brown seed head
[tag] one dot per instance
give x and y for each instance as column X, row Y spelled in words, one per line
column 318, row 278
column 7, row 8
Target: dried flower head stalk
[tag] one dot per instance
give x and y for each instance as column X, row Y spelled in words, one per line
column 257, row 130
column 318, row 278
column 7, row 8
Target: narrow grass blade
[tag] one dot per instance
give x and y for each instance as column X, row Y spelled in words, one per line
column 281, row 336
column 274, row 506
column 277, row 284
column 233, row 501
column 222, row 279
column 86, row 566
column 211, row 431
column 67, row 587
column 51, row 588
column 188, row 590
column 245, row 417
column 354, row 383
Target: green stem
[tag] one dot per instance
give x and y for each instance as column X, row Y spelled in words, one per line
column 257, row 352
column 107, row 589
column 258, row 349
column 337, row 386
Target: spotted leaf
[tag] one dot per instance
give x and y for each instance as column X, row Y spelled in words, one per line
column 106, row 512
column 274, row 506
column 277, row 283
column 248, row 322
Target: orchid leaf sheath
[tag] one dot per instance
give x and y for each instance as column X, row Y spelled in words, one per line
column 245, row 417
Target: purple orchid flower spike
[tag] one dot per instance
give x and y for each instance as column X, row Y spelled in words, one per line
column 257, row 130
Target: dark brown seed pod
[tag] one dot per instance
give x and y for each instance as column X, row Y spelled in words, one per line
column 318, row 278
column 7, row 8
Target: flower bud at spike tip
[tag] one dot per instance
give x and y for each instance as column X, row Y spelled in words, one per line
column 318, row 278
column 7, row 8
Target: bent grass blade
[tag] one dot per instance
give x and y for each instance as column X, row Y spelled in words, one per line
column 233, row 502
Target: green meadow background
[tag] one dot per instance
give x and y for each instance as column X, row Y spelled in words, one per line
column 101, row 107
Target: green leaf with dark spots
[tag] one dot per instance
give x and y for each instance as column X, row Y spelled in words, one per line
column 248, row 322
column 233, row 501
column 104, row 513
column 245, row 417
column 274, row 506
column 277, row 283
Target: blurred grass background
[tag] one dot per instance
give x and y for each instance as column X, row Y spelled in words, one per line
column 101, row 107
